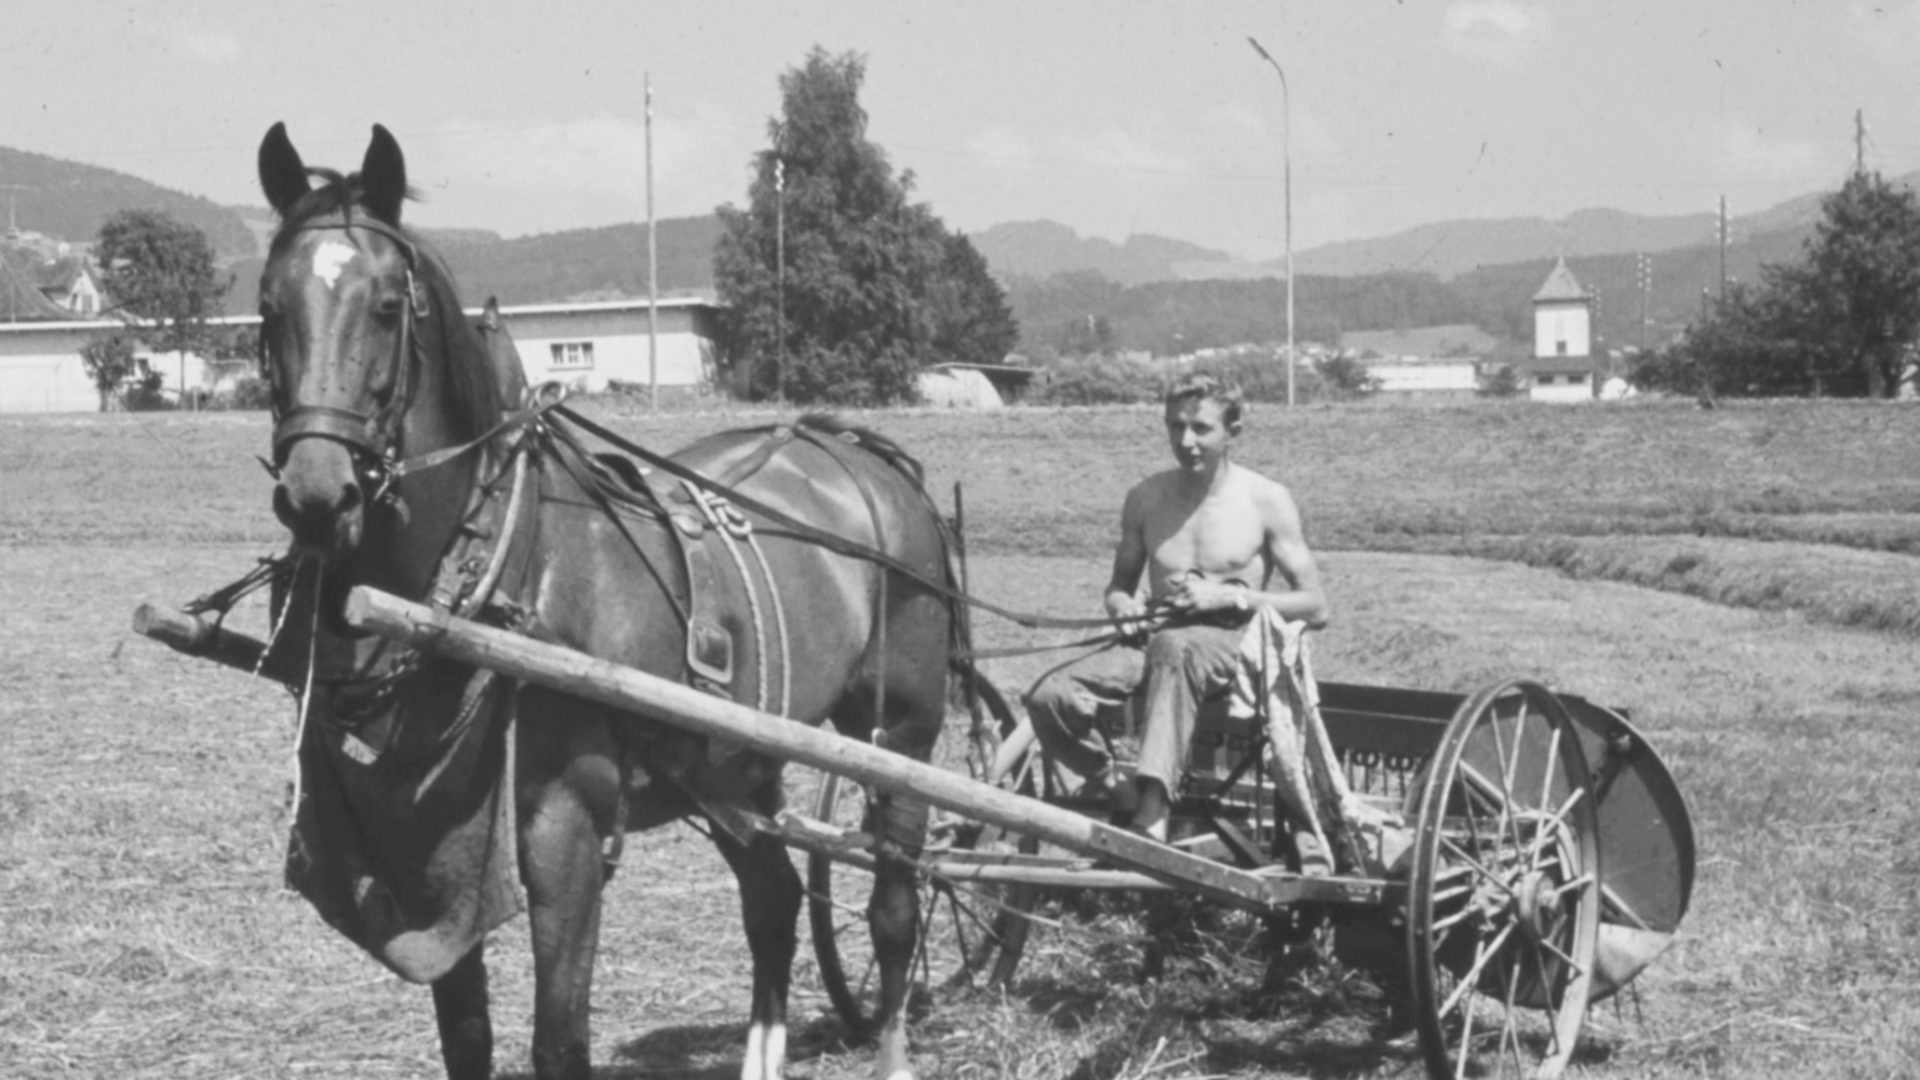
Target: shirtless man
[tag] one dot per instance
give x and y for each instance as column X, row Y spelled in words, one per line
column 1216, row 542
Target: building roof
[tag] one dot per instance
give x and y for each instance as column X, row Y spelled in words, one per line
column 1450, row 341
column 59, row 275
column 1560, row 285
column 21, row 299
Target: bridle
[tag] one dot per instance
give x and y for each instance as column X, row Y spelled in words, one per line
column 373, row 440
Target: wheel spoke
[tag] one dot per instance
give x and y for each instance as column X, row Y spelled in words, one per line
column 1546, row 774
column 1558, row 819
column 1584, row 881
column 1483, row 953
column 1475, row 864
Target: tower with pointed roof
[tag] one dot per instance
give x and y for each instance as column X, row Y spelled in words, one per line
column 1562, row 364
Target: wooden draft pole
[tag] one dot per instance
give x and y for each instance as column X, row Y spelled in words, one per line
column 630, row 690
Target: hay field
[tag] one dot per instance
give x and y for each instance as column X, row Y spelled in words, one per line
column 1765, row 644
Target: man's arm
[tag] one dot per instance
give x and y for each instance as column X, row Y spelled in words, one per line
column 1303, row 599
column 1129, row 559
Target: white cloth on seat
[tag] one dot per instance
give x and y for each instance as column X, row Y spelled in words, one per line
column 1275, row 679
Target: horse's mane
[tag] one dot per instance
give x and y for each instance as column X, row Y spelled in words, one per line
column 875, row 443
column 478, row 399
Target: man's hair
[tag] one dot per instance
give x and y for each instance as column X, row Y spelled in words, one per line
column 1201, row 386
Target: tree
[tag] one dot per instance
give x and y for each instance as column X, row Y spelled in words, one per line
column 162, row 273
column 836, row 286
column 1346, row 377
column 971, row 320
column 109, row 360
column 1861, row 283
column 1838, row 322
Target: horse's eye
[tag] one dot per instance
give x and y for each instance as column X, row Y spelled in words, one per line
column 388, row 307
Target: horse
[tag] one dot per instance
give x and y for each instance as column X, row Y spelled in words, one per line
column 411, row 456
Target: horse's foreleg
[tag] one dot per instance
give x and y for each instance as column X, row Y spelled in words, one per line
column 460, row 1007
column 893, row 917
column 561, row 824
column 770, row 895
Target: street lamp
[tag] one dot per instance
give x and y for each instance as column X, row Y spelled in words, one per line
column 1286, row 156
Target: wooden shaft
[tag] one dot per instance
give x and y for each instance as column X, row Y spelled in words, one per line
column 630, row 690
column 197, row 635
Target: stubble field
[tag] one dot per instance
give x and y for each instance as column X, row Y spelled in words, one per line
column 1741, row 580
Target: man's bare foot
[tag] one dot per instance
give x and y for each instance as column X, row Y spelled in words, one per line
column 1150, row 820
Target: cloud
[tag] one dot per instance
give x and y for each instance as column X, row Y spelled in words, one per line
column 1889, row 33
column 1744, row 149
column 1502, row 32
column 542, row 176
column 1003, row 150
column 213, row 46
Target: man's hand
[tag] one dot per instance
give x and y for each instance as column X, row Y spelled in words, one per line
column 1130, row 616
column 1197, row 595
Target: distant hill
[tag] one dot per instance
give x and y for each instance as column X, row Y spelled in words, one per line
column 69, row 200
column 606, row 263
column 1452, row 248
column 582, row 264
column 1041, row 249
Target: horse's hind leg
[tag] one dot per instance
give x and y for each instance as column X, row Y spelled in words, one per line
column 460, row 1007
column 893, row 918
column 770, row 895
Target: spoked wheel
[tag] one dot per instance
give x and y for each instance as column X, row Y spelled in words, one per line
column 1504, row 901
column 963, row 927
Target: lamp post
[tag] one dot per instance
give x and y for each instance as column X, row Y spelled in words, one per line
column 780, row 275
column 1286, row 157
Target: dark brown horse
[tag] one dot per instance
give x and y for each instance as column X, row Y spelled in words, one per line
column 396, row 470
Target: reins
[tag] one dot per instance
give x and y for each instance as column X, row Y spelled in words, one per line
column 837, row 544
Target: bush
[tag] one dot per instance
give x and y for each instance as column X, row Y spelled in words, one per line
column 1114, row 380
column 143, row 395
column 249, row 393
column 1099, row 380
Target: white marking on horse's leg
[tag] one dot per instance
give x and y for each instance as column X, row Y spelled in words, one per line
column 329, row 258
column 766, row 1052
column 901, row 1074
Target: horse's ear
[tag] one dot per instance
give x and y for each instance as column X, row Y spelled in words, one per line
column 383, row 176
column 283, row 176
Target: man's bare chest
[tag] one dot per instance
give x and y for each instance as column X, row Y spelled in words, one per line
column 1214, row 539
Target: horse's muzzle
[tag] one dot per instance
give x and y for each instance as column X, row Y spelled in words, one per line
column 319, row 499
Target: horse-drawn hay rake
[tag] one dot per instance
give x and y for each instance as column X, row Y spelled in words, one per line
column 1547, row 855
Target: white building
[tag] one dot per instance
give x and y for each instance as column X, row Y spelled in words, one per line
column 1562, row 364
column 1428, row 378
column 589, row 346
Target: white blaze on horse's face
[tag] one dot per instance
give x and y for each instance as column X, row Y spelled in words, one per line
column 329, row 259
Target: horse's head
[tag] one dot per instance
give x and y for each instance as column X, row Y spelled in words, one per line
column 341, row 305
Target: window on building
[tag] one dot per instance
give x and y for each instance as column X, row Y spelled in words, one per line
column 1560, row 347
column 572, row 354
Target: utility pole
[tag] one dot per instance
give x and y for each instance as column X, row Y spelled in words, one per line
column 1723, row 247
column 780, row 273
column 1646, row 296
column 1859, row 142
column 653, row 267
column 1286, row 158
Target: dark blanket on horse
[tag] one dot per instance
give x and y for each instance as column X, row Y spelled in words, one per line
column 404, row 837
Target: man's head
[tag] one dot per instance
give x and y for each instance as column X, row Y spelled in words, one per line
column 1204, row 387
column 1203, row 419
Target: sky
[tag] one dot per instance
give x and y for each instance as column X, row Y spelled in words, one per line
column 1113, row 117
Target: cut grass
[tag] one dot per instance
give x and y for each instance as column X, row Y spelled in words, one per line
column 143, row 932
